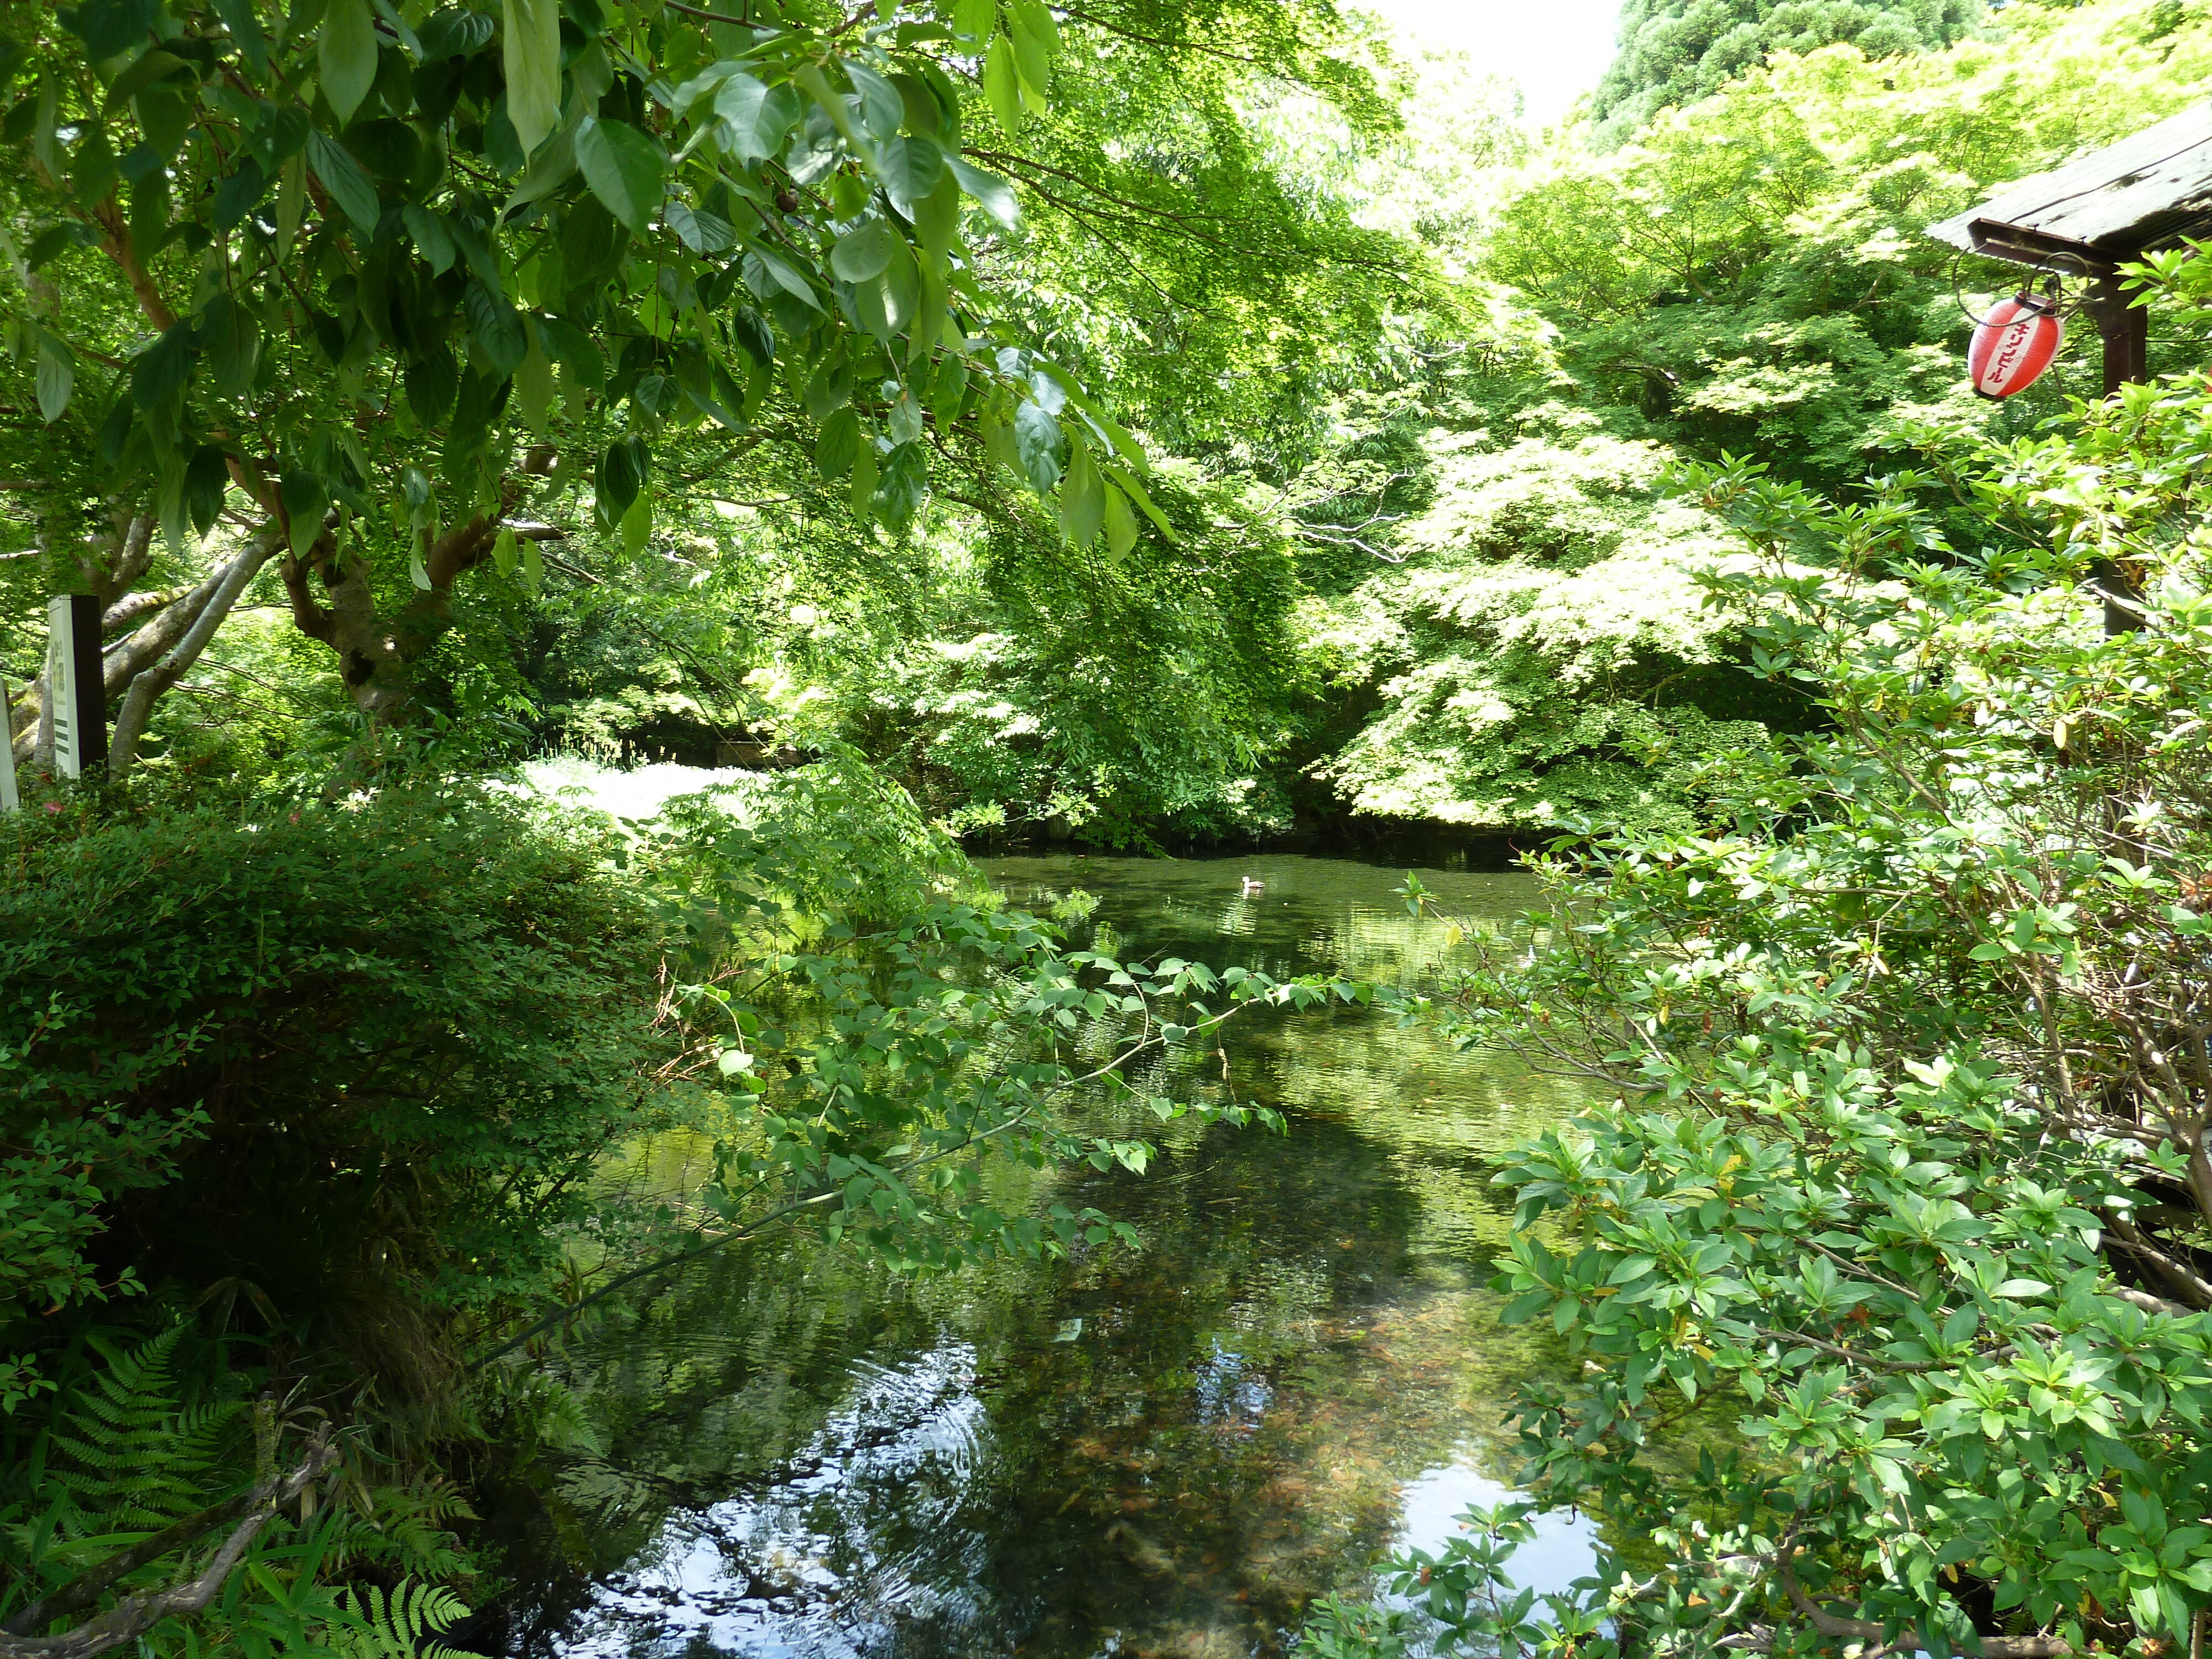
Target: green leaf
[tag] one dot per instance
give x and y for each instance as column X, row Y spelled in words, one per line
column 1002, row 85
column 110, row 27
column 753, row 333
column 992, row 194
column 937, row 216
column 345, row 55
column 754, row 119
column 865, row 252
column 92, row 167
column 530, row 52
column 159, row 373
column 1121, row 524
column 839, row 445
column 230, row 336
column 207, row 479
column 432, row 239
column 911, row 169
column 503, row 555
column 432, row 382
column 902, row 484
column 345, row 179
column 637, row 523
column 306, row 500
column 49, row 244
column 1137, row 492
column 1036, row 39
column 245, row 33
column 239, row 194
column 1082, row 497
column 1034, row 18
column 57, row 376
column 496, row 327
column 882, row 109
column 624, row 168
column 624, row 470
column 863, row 492
column 975, row 18
column 533, row 388
column 785, row 277
column 830, row 387
column 1036, row 441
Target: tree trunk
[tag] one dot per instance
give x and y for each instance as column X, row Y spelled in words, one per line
column 150, row 683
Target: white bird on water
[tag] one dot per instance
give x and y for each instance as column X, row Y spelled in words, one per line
column 1254, row 884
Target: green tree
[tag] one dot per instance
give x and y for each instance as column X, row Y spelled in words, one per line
column 402, row 280
column 1677, row 51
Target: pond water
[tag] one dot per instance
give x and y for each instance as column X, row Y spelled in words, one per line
column 1166, row 1452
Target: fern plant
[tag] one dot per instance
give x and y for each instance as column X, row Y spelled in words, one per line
column 130, row 1484
column 131, row 1455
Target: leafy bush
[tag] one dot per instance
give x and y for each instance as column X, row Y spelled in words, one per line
column 347, row 1061
column 1904, row 1206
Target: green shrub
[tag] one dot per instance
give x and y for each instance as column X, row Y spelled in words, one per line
column 1905, row 1191
column 347, row 1061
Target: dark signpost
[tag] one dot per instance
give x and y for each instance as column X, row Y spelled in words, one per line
column 2086, row 219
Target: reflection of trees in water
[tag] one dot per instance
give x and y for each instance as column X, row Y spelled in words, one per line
column 719, row 1383
column 854, row 1467
column 1191, row 1463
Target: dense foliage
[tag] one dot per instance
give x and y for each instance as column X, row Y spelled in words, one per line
column 470, row 1011
column 1902, row 1209
column 1748, row 276
column 1673, row 52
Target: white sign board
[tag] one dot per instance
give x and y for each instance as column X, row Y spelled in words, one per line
column 9, row 800
column 73, row 672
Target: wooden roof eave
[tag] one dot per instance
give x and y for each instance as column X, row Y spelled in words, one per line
column 2151, row 190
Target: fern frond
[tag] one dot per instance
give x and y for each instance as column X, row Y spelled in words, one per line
column 402, row 1624
column 125, row 1450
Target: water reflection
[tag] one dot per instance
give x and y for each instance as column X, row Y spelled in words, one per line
column 1167, row 1452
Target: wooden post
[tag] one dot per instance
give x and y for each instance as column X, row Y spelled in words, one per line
column 78, row 688
column 2125, row 330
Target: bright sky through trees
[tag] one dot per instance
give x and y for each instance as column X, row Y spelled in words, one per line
column 1555, row 50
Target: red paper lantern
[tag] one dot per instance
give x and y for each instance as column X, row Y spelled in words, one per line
column 2013, row 345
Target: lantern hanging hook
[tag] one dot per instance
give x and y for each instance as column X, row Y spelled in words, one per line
column 2052, row 297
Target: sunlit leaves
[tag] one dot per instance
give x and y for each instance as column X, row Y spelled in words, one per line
column 394, row 212
column 1082, row 497
column 1002, row 86
column 992, row 194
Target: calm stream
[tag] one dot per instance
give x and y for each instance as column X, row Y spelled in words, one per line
column 1163, row 1453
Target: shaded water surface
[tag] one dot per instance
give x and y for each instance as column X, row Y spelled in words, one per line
column 1167, row 1452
